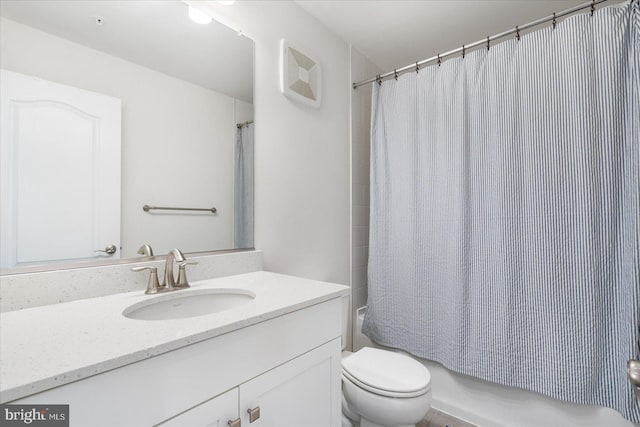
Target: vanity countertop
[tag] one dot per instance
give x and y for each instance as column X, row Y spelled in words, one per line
column 46, row 347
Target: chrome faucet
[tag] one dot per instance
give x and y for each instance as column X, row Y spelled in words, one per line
column 169, row 279
column 169, row 282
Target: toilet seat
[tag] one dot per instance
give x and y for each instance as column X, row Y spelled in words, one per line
column 386, row 373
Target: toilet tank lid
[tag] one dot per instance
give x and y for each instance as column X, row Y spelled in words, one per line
column 388, row 371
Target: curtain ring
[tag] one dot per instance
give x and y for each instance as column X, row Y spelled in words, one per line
column 439, row 60
column 554, row 21
column 593, row 6
column 462, row 51
column 417, row 68
column 488, row 42
column 379, row 79
column 395, row 74
column 517, row 33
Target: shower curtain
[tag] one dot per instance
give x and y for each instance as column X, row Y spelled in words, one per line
column 505, row 211
column 243, row 191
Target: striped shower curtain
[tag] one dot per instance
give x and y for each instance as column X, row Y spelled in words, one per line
column 505, row 211
column 243, row 188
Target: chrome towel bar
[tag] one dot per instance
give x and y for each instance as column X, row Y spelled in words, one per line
column 147, row 208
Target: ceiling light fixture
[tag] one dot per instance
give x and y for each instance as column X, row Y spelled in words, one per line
column 198, row 16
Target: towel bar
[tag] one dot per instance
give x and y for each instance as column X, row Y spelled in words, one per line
column 147, row 208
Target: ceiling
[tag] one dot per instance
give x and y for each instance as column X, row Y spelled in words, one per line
column 155, row 34
column 395, row 33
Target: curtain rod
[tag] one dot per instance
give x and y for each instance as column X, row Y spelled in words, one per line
column 416, row 67
column 243, row 124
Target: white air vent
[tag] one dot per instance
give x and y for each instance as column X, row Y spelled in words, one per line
column 301, row 77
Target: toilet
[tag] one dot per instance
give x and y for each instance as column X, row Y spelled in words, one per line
column 382, row 387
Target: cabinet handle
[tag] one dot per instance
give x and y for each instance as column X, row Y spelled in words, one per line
column 234, row 423
column 254, row 414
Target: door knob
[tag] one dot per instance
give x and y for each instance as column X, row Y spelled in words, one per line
column 110, row 249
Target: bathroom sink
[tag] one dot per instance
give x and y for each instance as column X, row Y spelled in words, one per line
column 192, row 303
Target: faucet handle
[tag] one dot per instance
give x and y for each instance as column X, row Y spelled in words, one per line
column 145, row 250
column 153, row 286
column 182, row 274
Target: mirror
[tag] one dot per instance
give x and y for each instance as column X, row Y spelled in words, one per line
column 108, row 106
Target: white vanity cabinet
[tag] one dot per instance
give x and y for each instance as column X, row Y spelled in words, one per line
column 288, row 366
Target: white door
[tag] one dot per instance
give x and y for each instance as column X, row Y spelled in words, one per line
column 60, row 172
column 303, row 392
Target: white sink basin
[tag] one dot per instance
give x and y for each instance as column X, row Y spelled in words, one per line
column 188, row 303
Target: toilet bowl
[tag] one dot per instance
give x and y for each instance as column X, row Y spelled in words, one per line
column 382, row 388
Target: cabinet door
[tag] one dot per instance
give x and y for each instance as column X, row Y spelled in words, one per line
column 302, row 392
column 216, row 412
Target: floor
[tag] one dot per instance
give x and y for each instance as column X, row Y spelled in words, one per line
column 437, row 418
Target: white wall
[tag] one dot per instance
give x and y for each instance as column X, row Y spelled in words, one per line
column 177, row 139
column 244, row 111
column 302, row 154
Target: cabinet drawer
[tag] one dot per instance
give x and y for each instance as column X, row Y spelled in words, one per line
column 216, row 412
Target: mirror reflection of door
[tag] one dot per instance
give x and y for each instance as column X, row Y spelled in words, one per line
column 60, row 174
column 183, row 89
